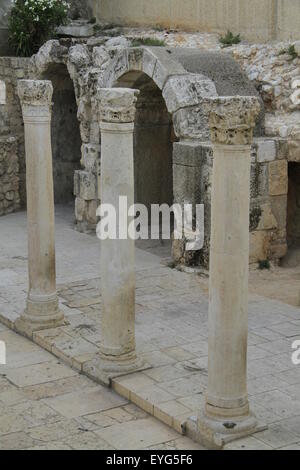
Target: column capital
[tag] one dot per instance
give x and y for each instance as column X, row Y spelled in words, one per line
column 232, row 119
column 117, row 105
column 35, row 92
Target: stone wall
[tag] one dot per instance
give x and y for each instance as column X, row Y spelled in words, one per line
column 192, row 168
column 172, row 108
column 81, row 9
column 11, row 128
column 256, row 20
column 9, row 175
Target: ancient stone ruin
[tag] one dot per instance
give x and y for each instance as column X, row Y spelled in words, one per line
column 93, row 117
column 176, row 166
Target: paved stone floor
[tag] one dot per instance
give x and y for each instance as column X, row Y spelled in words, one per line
column 44, row 404
column 171, row 326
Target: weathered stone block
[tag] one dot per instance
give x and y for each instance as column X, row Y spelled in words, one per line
column 294, row 150
column 85, row 185
column 85, row 211
column 259, row 245
column 90, row 157
column 192, row 122
column 9, row 175
column 94, row 132
column 278, row 178
column 267, row 220
column 266, row 151
column 282, row 149
column 187, row 90
column 135, row 57
column 79, row 56
column 165, row 66
column 80, row 209
column 149, row 62
column 119, row 41
column 117, row 67
column 100, row 56
column 279, row 209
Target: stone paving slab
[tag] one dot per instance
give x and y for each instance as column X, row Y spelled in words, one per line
column 63, row 410
column 172, row 390
column 171, row 334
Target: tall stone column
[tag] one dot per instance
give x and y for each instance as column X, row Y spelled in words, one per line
column 42, row 303
column 117, row 350
column 227, row 415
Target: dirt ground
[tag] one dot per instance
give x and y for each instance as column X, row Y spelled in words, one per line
column 277, row 283
column 280, row 283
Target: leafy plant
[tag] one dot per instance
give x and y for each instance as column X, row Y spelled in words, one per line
column 147, row 42
column 230, row 39
column 33, row 22
column 291, row 51
column 264, row 264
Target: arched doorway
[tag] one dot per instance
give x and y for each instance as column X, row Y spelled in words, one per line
column 153, row 149
column 153, row 138
column 65, row 133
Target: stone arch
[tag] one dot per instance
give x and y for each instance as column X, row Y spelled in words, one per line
column 185, row 93
column 183, row 101
column 153, row 139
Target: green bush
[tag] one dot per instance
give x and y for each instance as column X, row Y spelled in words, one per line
column 264, row 264
column 33, row 22
column 291, row 51
column 230, row 39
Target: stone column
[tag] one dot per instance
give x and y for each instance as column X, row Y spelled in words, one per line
column 227, row 415
column 117, row 350
column 42, row 303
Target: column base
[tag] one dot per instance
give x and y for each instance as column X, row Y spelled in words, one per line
column 215, row 433
column 41, row 313
column 104, row 369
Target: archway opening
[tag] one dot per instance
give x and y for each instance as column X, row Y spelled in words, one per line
column 293, row 207
column 65, row 134
column 153, row 150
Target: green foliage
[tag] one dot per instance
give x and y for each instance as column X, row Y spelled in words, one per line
column 147, row 42
column 230, row 39
column 291, row 51
column 33, row 22
column 264, row 264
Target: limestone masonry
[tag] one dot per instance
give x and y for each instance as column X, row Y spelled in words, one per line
column 175, row 166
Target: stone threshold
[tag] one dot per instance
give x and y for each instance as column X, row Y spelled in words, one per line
column 168, row 412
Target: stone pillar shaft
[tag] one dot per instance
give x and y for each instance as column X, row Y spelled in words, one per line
column 227, row 413
column 117, row 256
column 228, row 301
column 117, row 347
column 42, row 302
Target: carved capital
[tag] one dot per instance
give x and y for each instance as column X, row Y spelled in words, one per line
column 117, row 105
column 232, row 119
column 35, row 92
